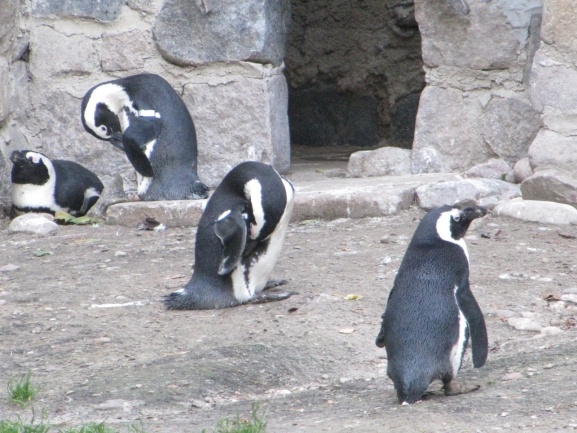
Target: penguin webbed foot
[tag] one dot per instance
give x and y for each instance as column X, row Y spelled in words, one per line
column 264, row 297
column 271, row 284
column 453, row 387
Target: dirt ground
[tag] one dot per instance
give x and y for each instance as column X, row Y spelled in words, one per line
column 82, row 313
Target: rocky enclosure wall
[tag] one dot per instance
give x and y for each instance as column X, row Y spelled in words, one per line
column 225, row 59
column 501, row 80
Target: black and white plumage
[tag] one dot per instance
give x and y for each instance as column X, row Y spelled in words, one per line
column 43, row 185
column 143, row 116
column 238, row 241
column 431, row 311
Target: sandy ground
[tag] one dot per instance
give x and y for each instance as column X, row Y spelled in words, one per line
column 82, row 313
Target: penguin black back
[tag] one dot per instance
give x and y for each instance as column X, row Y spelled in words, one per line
column 143, row 116
column 238, row 239
column 431, row 310
column 40, row 184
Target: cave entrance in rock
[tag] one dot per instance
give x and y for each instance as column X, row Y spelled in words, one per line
column 355, row 72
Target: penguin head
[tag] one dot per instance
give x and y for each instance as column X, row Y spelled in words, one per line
column 30, row 167
column 104, row 110
column 453, row 222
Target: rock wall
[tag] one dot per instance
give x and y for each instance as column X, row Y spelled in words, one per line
column 225, row 60
column 476, row 104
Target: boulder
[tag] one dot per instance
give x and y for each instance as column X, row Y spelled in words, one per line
column 125, row 51
column 385, row 161
column 492, row 169
column 101, row 10
column 483, row 192
column 239, row 115
column 199, row 32
column 553, row 84
column 553, row 150
column 448, row 135
column 544, row 212
column 509, row 127
column 551, row 185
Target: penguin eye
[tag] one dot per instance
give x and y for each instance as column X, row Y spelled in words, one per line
column 457, row 218
column 104, row 129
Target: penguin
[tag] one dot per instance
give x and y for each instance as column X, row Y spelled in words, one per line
column 431, row 311
column 238, row 241
column 143, row 116
column 43, row 185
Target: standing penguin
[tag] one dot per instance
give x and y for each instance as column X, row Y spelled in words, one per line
column 43, row 185
column 143, row 116
column 238, row 241
column 431, row 310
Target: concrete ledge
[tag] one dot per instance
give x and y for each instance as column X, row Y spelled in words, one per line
column 173, row 213
column 326, row 199
column 359, row 197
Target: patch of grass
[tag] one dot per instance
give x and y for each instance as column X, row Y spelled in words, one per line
column 100, row 428
column 254, row 424
column 21, row 390
column 20, row 427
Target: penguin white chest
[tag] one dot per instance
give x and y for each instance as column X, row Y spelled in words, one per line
column 35, row 196
column 247, row 280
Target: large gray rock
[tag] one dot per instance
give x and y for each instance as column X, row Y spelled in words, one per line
column 553, row 84
column 448, row 136
column 239, row 115
column 488, row 37
column 9, row 13
column 553, row 150
column 125, row 51
column 101, row 10
column 492, row 169
column 551, row 185
column 544, row 212
column 559, row 29
column 483, row 192
column 76, row 54
column 565, row 124
column 196, row 32
column 385, row 161
column 509, row 127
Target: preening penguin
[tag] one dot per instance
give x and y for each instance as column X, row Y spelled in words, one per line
column 431, row 310
column 238, row 241
column 143, row 116
column 43, row 185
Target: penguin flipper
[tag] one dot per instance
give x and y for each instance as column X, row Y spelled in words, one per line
column 232, row 232
column 142, row 130
column 478, row 330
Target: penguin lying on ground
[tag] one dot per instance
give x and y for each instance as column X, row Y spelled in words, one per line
column 238, row 241
column 43, row 185
column 143, row 116
column 431, row 310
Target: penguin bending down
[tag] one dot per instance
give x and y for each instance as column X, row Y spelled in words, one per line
column 43, row 185
column 143, row 116
column 238, row 241
column 431, row 310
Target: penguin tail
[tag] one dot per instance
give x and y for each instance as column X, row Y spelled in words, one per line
column 380, row 341
column 199, row 190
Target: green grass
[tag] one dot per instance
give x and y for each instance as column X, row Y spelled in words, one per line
column 254, row 424
column 21, row 390
column 20, row 427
